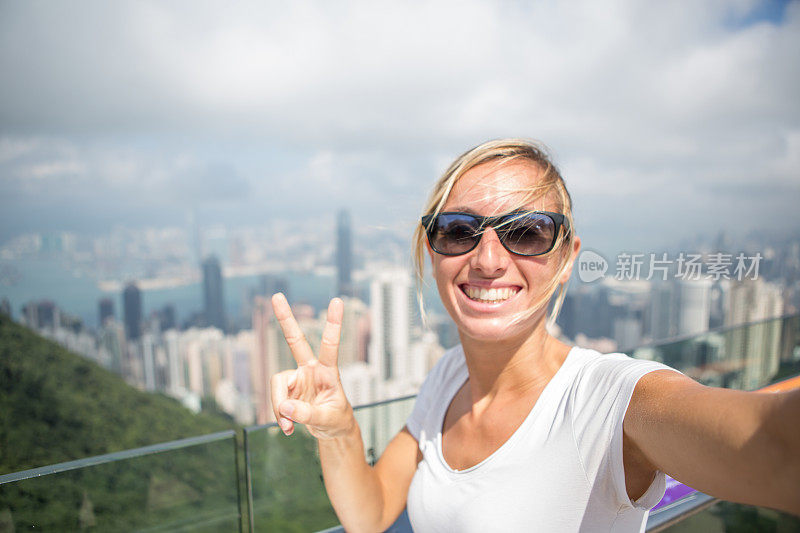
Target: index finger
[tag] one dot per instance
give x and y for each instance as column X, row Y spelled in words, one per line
column 297, row 342
column 329, row 347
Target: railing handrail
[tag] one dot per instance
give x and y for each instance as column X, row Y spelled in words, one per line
column 258, row 427
column 677, row 511
column 115, row 456
column 719, row 329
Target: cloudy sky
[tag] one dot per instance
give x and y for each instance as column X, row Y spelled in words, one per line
column 668, row 119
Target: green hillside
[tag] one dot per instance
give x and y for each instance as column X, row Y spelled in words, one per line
column 57, row 406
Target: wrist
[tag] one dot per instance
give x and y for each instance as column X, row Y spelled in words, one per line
column 347, row 432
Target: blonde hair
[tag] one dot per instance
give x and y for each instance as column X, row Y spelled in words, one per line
column 504, row 151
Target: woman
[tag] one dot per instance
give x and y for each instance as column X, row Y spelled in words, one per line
column 514, row 430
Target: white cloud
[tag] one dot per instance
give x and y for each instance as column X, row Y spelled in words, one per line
column 372, row 98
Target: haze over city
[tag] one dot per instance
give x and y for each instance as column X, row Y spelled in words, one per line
column 669, row 120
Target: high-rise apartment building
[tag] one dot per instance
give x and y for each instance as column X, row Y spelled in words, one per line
column 679, row 308
column 41, row 315
column 175, row 376
column 112, row 343
column 105, row 310
column 392, row 309
column 344, row 255
column 132, row 311
column 164, row 318
column 261, row 365
column 213, row 299
column 149, row 342
column 627, row 304
column 757, row 346
column 663, row 312
column 352, row 343
column 694, row 304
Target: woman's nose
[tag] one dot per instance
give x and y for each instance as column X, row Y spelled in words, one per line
column 490, row 257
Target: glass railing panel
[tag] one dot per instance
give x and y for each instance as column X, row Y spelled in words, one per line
column 285, row 487
column 188, row 485
column 746, row 357
column 743, row 357
column 380, row 422
column 727, row 516
column 191, row 485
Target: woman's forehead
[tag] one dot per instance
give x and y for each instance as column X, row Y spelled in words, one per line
column 499, row 187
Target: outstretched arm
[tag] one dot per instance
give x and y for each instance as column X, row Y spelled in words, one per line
column 364, row 498
column 735, row 445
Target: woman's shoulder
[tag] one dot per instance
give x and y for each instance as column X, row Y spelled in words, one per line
column 590, row 362
column 450, row 367
column 449, row 364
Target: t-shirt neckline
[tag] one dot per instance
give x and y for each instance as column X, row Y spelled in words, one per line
column 508, row 444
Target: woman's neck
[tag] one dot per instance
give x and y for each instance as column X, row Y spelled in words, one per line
column 512, row 366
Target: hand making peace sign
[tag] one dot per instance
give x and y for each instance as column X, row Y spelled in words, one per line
column 312, row 394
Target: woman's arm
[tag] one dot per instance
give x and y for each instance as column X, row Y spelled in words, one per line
column 364, row 498
column 734, row 445
column 368, row 498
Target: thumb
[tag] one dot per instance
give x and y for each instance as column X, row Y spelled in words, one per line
column 296, row 410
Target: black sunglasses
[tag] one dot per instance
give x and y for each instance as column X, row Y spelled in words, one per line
column 525, row 233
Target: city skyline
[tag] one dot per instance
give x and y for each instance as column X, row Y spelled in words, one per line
column 222, row 350
column 77, row 270
column 388, row 352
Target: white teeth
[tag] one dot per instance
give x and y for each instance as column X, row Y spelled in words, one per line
column 489, row 295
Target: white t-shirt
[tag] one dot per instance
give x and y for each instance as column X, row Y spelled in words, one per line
column 560, row 471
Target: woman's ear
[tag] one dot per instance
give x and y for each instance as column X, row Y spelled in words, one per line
column 576, row 249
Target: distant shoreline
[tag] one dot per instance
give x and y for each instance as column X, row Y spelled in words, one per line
column 148, row 284
column 173, row 282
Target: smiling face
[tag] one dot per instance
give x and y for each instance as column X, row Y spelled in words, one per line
column 490, row 291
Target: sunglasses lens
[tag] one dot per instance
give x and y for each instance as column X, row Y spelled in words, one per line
column 528, row 234
column 454, row 234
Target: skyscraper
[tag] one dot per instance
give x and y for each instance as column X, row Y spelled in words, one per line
column 355, row 332
column 344, row 255
column 106, row 310
column 43, row 314
column 757, row 346
column 213, row 300
column 695, row 306
column 262, row 364
column 112, row 342
column 166, row 317
column 679, row 308
column 132, row 307
column 392, row 314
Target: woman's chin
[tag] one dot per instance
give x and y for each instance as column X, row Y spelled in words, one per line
column 489, row 329
column 493, row 322
column 489, row 321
